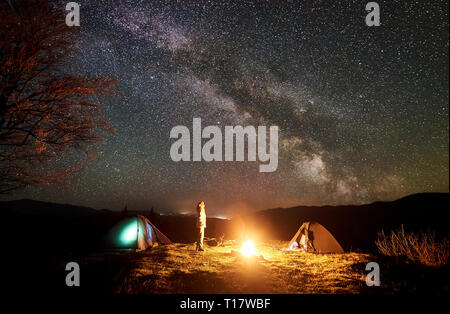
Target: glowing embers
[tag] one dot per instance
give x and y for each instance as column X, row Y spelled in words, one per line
column 248, row 249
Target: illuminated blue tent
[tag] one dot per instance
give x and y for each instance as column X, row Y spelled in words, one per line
column 135, row 233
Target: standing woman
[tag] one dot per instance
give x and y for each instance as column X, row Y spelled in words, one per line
column 201, row 225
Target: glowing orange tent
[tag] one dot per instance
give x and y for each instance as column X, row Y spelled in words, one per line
column 313, row 237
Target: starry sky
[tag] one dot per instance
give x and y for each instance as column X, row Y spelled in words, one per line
column 362, row 111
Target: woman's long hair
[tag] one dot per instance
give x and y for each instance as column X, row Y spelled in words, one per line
column 199, row 207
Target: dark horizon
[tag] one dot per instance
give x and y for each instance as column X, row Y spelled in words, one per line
column 167, row 211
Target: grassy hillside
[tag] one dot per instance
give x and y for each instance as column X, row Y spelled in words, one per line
column 178, row 268
column 41, row 238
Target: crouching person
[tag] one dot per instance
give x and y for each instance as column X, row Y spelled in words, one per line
column 201, row 225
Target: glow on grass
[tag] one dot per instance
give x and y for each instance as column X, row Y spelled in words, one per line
column 248, row 249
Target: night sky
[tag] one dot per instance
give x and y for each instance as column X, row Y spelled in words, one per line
column 362, row 111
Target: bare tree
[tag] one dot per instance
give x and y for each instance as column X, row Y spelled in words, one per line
column 47, row 114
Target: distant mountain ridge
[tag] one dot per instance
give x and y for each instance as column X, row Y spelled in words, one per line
column 354, row 226
column 29, row 206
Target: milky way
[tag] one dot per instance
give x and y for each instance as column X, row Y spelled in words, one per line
column 362, row 111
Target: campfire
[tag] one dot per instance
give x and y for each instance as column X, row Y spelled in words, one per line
column 247, row 250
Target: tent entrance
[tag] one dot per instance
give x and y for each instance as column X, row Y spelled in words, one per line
column 315, row 238
column 135, row 233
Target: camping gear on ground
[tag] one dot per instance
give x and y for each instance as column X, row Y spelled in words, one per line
column 313, row 237
column 135, row 233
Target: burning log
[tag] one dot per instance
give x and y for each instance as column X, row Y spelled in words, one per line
column 247, row 250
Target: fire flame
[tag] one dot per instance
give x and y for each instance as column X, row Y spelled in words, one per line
column 248, row 249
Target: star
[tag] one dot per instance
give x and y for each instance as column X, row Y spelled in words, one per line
column 362, row 112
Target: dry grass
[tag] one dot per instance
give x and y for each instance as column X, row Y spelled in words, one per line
column 418, row 247
column 178, row 268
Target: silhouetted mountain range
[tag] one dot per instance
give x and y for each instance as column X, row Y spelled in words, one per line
column 356, row 227
column 62, row 226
